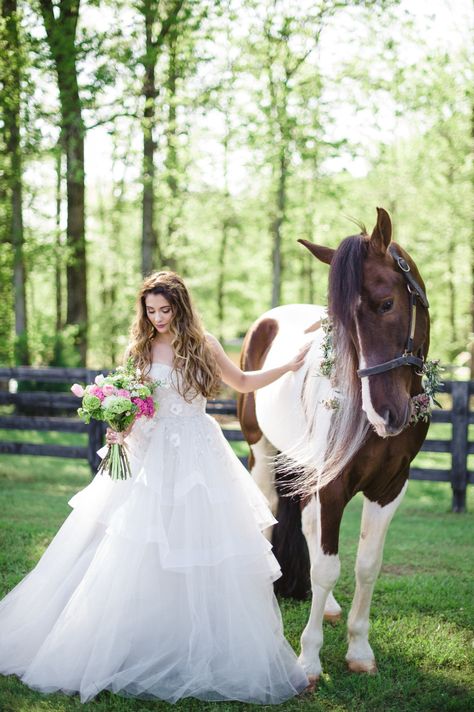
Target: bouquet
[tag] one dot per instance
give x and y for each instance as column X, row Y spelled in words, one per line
column 118, row 399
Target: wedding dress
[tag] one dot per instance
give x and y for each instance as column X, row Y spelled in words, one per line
column 159, row 586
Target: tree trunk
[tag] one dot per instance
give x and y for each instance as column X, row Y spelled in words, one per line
column 59, row 247
column 221, row 277
column 76, row 271
column 472, row 258
column 472, row 303
column 58, row 356
column 451, row 273
column 61, row 34
column 11, row 115
column 225, row 231
column 276, row 227
column 115, row 227
column 171, row 161
column 149, row 236
column 149, row 9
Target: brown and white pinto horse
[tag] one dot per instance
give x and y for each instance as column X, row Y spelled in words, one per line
column 379, row 313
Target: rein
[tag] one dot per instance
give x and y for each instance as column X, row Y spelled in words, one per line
column 416, row 292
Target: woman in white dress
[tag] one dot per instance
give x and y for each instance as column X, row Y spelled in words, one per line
column 160, row 586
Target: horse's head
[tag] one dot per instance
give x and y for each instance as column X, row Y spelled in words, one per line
column 380, row 319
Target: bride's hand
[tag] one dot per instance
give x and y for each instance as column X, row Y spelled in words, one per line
column 112, row 436
column 298, row 360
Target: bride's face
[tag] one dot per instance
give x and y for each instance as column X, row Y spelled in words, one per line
column 159, row 312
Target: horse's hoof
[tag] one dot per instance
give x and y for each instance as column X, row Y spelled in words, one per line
column 367, row 666
column 333, row 617
column 313, row 681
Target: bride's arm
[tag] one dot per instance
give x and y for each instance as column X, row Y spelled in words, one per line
column 246, row 381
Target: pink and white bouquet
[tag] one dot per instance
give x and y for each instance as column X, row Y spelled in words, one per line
column 118, row 399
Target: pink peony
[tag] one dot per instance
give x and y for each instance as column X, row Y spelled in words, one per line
column 146, row 406
column 108, row 389
column 96, row 391
column 77, row 390
column 123, row 392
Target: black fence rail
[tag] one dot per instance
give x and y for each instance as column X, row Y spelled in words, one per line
column 65, row 405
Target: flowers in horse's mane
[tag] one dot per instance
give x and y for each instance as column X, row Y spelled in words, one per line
column 331, row 403
column 421, row 404
column 326, row 366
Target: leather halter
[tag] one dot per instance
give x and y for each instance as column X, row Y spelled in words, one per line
column 416, row 292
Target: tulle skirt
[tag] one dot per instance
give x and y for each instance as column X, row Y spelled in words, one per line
column 159, row 586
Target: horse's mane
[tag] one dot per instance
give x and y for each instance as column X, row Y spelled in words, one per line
column 349, row 424
column 345, row 280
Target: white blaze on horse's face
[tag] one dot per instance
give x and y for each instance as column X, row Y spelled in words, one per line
column 379, row 423
column 382, row 422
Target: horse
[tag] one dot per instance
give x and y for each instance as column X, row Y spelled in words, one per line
column 320, row 435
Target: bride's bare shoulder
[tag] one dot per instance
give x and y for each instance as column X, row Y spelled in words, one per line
column 217, row 349
column 213, row 342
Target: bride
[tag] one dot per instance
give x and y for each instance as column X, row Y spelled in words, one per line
column 160, row 586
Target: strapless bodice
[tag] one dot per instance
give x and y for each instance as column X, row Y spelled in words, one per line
column 170, row 402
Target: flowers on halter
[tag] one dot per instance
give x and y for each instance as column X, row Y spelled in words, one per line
column 423, row 403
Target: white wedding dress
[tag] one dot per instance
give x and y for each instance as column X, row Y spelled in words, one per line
column 159, row 586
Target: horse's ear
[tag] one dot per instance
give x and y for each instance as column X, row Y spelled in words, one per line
column 382, row 232
column 324, row 254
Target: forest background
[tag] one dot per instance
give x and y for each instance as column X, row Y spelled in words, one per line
column 207, row 136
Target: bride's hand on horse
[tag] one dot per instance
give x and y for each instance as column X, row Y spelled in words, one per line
column 112, row 436
column 298, row 360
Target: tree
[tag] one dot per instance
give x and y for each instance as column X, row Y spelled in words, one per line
column 283, row 45
column 12, row 65
column 167, row 16
column 60, row 21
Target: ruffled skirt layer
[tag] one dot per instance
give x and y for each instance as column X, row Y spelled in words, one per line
column 158, row 586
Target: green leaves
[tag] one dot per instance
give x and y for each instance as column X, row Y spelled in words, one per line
column 268, row 122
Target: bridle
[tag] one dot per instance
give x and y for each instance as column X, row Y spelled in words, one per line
column 416, row 292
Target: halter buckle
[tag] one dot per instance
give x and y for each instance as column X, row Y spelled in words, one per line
column 404, row 266
column 421, row 373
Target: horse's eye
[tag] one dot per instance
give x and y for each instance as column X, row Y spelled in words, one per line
column 386, row 306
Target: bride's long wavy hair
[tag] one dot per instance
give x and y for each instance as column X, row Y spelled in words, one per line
column 193, row 356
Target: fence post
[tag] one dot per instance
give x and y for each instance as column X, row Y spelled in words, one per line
column 459, row 444
column 96, row 436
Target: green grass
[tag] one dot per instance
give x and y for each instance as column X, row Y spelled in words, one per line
column 422, row 622
column 47, row 437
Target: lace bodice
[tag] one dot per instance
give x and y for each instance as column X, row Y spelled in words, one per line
column 170, row 405
column 170, row 401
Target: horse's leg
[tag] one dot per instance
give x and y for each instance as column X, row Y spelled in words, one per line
column 375, row 522
column 325, row 568
column 332, row 609
column 289, row 545
column 263, row 473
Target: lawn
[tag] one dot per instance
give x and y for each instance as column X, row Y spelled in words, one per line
column 422, row 618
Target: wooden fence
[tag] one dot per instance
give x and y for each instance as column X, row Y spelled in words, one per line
column 60, row 406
